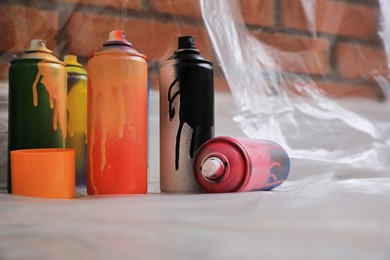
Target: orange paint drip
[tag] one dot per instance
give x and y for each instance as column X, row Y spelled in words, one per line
column 117, row 115
column 91, row 137
column 111, row 103
column 54, row 81
column 111, row 106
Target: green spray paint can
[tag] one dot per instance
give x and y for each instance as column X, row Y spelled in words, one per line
column 37, row 101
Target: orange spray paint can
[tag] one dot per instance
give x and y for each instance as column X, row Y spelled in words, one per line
column 117, row 119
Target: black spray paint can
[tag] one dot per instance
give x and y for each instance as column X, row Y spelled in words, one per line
column 186, row 115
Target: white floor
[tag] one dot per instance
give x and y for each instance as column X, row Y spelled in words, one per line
column 319, row 216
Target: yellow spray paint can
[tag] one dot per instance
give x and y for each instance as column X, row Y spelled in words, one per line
column 77, row 115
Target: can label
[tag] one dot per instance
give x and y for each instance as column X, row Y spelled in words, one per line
column 37, row 113
column 186, row 122
column 268, row 165
column 117, row 126
column 77, row 123
column 176, row 136
column 226, row 164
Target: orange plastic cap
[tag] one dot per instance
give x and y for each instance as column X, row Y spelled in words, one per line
column 43, row 173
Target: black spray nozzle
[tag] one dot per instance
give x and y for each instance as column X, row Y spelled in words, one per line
column 186, row 42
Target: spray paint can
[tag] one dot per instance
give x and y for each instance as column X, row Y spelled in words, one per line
column 77, row 115
column 117, row 119
column 186, row 114
column 226, row 164
column 37, row 101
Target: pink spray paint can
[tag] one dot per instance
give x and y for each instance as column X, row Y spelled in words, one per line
column 225, row 164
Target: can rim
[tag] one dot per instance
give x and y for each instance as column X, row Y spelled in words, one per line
column 20, row 60
column 132, row 54
column 225, row 161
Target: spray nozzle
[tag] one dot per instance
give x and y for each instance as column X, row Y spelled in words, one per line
column 213, row 168
column 186, row 42
column 38, row 45
column 117, row 37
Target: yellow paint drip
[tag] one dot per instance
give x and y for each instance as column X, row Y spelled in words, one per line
column 54, row 81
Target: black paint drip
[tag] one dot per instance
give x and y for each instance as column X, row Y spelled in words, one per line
column 195, row 90
column 195, row 87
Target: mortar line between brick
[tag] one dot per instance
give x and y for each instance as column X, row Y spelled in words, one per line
column 147, row 15
column 153, row 68
column 373, row 4
column 41, row 5
column 332, row 57
column 146, row 4
column 329, row 78
column 320, row 35
column 16, row 3
column 277, row 13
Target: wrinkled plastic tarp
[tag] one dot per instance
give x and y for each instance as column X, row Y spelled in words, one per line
column 344, row 135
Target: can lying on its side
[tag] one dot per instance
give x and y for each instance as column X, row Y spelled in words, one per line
column 225, row 164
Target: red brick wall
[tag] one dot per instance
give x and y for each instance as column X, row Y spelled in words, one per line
column 340, row 59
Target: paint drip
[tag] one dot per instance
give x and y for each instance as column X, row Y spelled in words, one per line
column 54, row 81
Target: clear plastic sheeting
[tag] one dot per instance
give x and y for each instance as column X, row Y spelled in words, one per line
column 342, row 135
